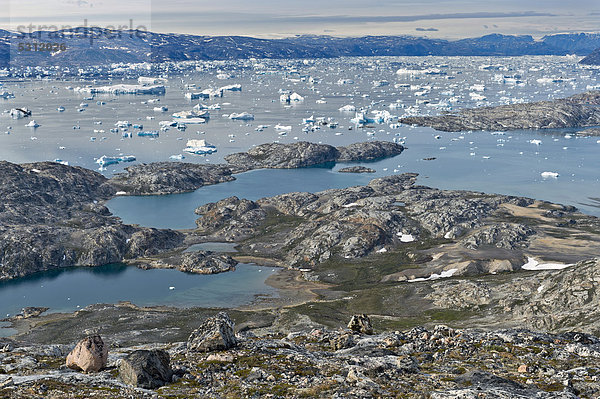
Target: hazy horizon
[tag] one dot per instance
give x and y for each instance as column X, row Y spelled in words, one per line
column 269, row 19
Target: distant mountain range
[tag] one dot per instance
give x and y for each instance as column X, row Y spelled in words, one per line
column 93, row 46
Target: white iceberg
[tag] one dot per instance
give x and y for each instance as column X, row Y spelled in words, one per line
column 550, row 175
column 243, row 116
column 199, row 147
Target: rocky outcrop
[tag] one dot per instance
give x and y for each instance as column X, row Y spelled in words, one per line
column 360, row 323
column 304, row 154
column 554, row 300
column 148, row 369
column 368, row 151
column 433, row 230
column 179, row 177
column 169, row 178
column 580, row 110
column 50, row 217
column 439, row 362
column 89, row 355
column 591, row 132
column 197, row 262
column 592, row 59
column 356, row 169
column 215, row 334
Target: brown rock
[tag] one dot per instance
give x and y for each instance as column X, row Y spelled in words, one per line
column 90, row 354
column 523, row 369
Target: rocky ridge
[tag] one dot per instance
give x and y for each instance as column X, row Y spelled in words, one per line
column 420, row 231
column 179, row 177
column 580, row 110
column 51, row 217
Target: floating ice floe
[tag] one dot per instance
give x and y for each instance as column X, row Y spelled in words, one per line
column 123, row 89
column 199, row 147
column 281, row 127
column 192, row 114
column 550, row 175
column 33, row 124
column 435, row 276
column 6, row 95
column 105, row 160
column 196, row 96
column 18, row 113
column 348, row 108
column 145, row 80
column 533, row 264
column 177, row 157
column 160, row 109
column 243, row 116
column 535, row 141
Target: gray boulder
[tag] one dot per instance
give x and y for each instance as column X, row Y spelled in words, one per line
column 216, row 333
column 148, row 369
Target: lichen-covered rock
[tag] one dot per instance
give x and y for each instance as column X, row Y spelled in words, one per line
column 89, row 355
column 216, row 333
column 361, row 324
column 356, row 169
column 148, row 369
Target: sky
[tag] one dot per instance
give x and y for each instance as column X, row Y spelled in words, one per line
column 281, row 18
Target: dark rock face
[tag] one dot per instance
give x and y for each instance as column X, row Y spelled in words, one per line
column 369, row 151
column 148, row 369
column 592, row 59
column 215, row 334
column 303, row 154
column 169, row 177
column 356, row 169
column 50, row 218
column 284, row 156
column 576, row 111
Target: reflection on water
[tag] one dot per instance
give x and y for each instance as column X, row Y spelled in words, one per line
column 73, row 288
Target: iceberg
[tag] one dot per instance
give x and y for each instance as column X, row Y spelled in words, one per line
column 105, row 160
column 296, row 97
column 148, row 133
column 244, row 116
column 348, row 108
column 196, row 96
column 161, row 109
column 550, row 175
column 144, row 80
column 192, row 114
column 6, row 95
column 33, row 124
column 18, row 113
column 123, row 89
column 235, row 87
column 199, row 147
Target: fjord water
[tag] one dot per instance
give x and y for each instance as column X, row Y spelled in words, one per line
column 73, row 288
column 505, row 162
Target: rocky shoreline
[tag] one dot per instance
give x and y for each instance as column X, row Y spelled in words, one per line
column 52, row 215
column 580, row 110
